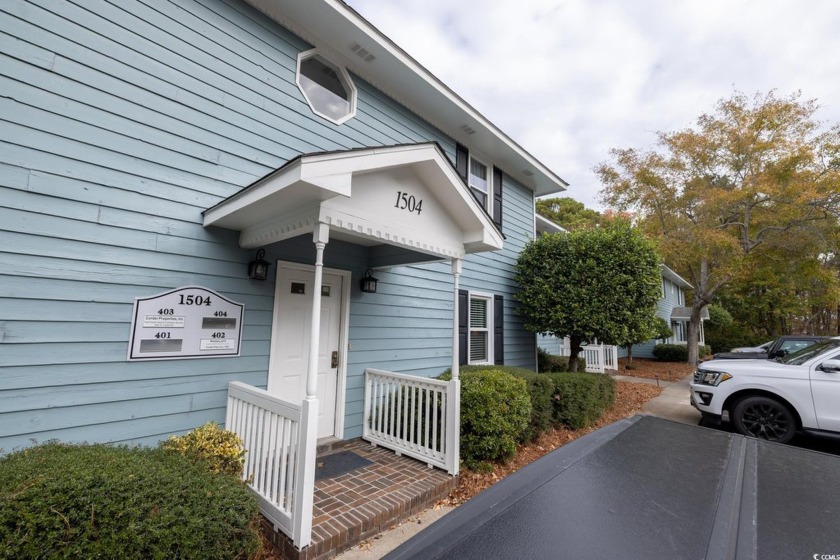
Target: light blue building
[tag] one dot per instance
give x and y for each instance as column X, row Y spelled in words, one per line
column 152, row 147
column 672, row 308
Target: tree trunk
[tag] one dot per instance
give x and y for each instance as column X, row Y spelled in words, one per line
column 574, row 349
column 630, row 354
column 693, row 333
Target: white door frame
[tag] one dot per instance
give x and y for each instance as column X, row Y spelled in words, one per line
column 343, row 334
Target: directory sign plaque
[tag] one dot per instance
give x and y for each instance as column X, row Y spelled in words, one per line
column 188, row 322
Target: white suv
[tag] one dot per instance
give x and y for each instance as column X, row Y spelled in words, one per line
column 772, row 399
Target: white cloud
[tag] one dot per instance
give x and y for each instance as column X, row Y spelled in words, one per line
column 570, row 79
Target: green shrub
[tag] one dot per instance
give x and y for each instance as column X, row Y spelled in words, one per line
column 677, row 352
column 96, row 501
column 223, row 450
column 495, row 412
column 671, row 352
column 581, row 398
column 549, row 363
column 540, row 390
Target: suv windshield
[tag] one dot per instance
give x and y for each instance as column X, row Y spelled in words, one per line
column 801, row 356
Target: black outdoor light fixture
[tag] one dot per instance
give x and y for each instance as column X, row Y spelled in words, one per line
column 368, row 283
column 258, row 268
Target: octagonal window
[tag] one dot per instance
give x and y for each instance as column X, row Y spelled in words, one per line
column 327, row 87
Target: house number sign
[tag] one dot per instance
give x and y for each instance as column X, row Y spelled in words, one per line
column 188, row 322
column 409, row 202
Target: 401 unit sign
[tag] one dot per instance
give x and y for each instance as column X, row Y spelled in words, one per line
column 188, row 322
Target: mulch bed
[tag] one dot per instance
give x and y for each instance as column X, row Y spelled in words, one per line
column 654, row 369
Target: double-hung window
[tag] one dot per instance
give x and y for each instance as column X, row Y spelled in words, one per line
column 483, row 180
column 481, row 329
column 481, row 337
column 479, row 181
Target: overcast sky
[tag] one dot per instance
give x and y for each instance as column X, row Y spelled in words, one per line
column 570, row 79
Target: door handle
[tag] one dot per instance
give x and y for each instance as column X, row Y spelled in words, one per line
column 334, row 361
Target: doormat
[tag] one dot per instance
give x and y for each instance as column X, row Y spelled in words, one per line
column 331, row 466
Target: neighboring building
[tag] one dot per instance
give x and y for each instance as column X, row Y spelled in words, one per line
column 151, row 148
column 671, row 307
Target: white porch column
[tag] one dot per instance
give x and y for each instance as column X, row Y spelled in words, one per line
column 456, row 275
column 320, row 237
column 453, row 413
column 309, row 408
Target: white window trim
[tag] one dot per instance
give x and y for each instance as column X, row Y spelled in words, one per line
column 489, row 194
column 662, row 285
column 491, row 311
column 353, row 91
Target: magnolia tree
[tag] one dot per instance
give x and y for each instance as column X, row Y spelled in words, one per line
column 600, row 283
column 756, row 180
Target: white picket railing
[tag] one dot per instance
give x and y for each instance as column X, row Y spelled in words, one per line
column 611, row 357
column 599, row 357
column 414, row 416
column 275, row 439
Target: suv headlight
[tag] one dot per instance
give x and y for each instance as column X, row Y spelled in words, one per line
column 713, row 378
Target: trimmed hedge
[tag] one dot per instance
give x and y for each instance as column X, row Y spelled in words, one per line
column 97, row 501
column 580, row 399
column 549, row 363
column 677, row 352
column 495, row 413
column 540, row 390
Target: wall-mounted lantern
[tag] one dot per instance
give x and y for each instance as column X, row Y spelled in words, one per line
column 258, row 268
column 368, row 283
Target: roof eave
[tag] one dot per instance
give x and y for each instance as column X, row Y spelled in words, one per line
column 335, row 27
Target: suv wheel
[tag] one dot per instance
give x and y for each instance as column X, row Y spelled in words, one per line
column 764, row 418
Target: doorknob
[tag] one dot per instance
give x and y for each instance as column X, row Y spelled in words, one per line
column 334, row 362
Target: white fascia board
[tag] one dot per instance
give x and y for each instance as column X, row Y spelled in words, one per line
column 270, row 184
column 334, row 27
column 675, row 278
column 544, row 225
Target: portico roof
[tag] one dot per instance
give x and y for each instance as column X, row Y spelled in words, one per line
column 408, row 196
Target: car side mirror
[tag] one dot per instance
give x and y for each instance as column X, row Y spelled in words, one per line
column 779, row 354
column 830, row 366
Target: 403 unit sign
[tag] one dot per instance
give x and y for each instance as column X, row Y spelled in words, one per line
column 188, row 322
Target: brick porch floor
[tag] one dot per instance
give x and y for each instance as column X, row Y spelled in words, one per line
column 363, row 502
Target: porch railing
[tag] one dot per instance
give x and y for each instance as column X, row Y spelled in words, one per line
column 599, row 357
column 413, row 416
column 274, row 435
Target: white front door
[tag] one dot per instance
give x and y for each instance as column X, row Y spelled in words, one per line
column 290, row 340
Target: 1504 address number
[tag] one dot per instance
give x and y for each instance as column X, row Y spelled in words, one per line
column 409, row 202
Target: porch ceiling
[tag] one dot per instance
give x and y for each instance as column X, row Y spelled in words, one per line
column 406, row 196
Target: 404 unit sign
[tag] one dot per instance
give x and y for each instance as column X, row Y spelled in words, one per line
column 188, row 322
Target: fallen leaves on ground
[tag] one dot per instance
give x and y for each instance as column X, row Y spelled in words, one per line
column 653, row 369
column 629, row 400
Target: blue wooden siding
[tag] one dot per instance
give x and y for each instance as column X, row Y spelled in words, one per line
column 664, row 306
column 120, row 123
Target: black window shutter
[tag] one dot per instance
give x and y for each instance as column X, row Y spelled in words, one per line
column 497, row 196
column 462, row 158
column 463, row 330
column 498, row 330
